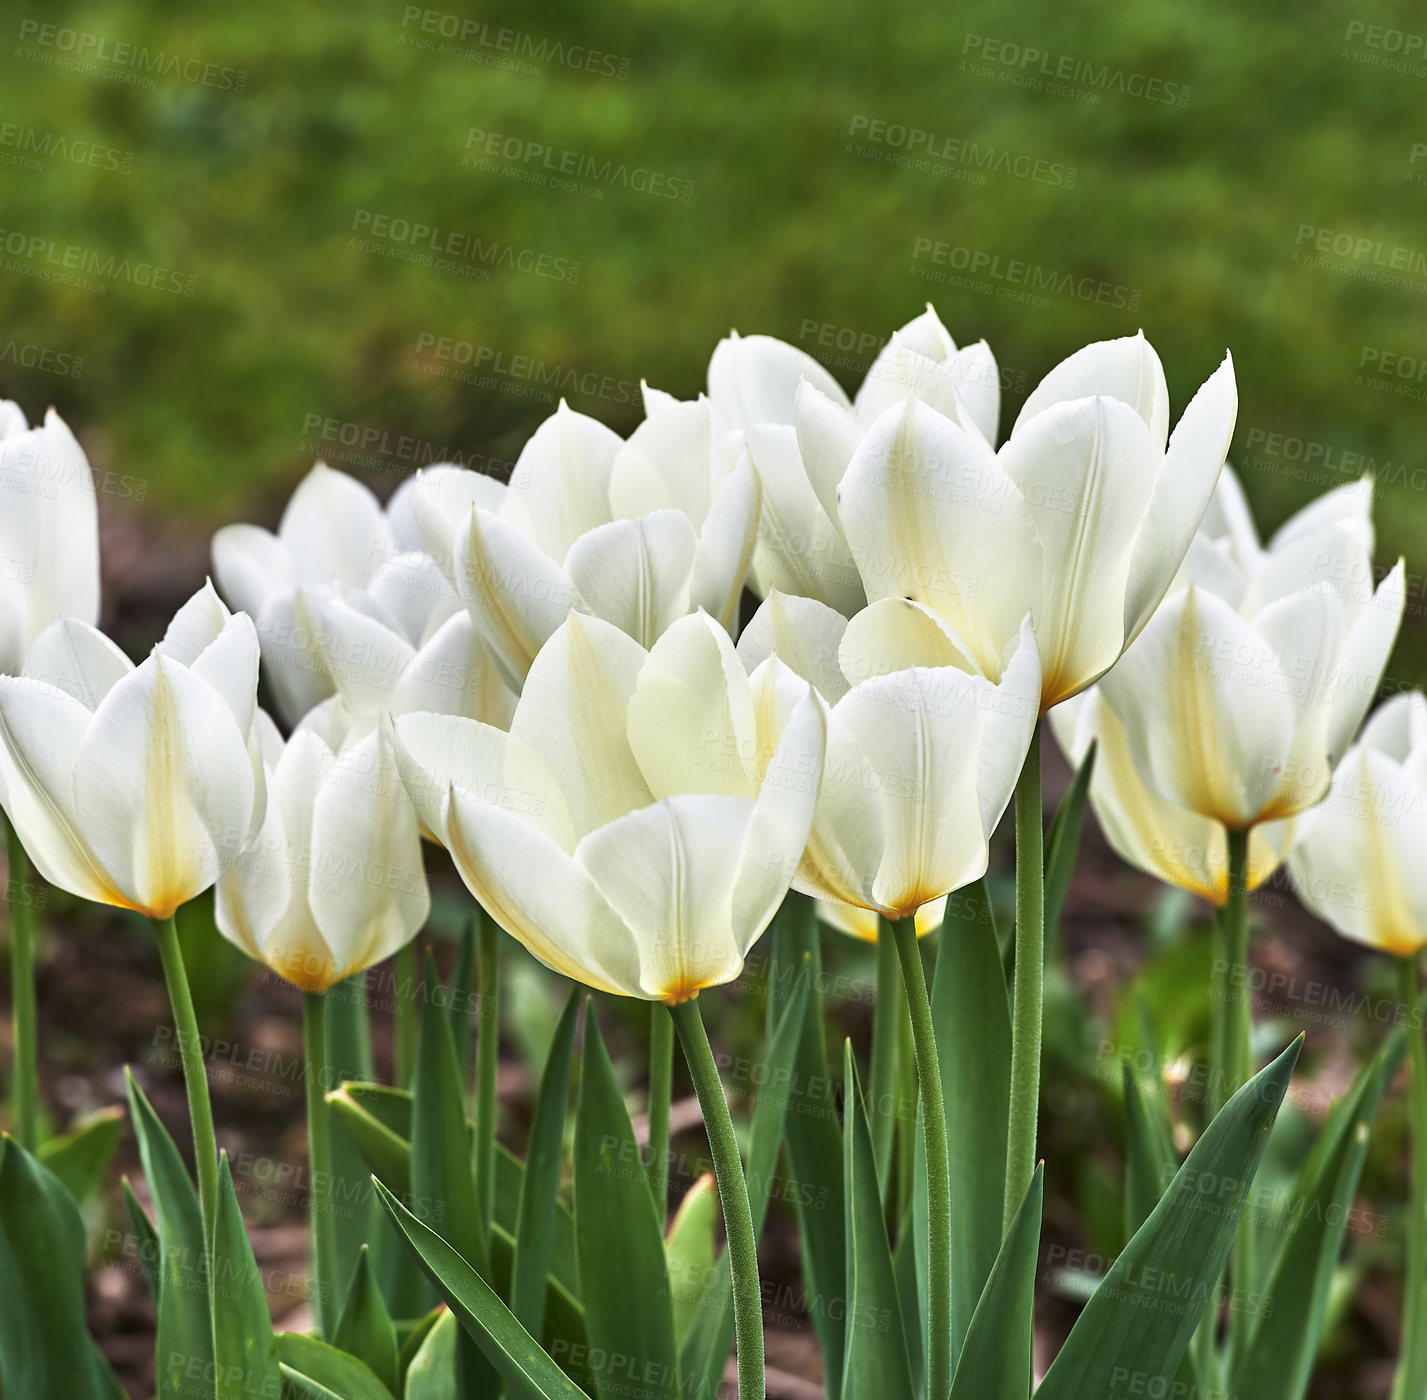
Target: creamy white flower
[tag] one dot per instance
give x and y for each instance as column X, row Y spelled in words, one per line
column 334, row 543
column 1358, row 860
column 638, row 826
column 49, row 532
column 637, row 533
column 922, row 759
column 333, row 881
column 1081, row 519
column 135, row 786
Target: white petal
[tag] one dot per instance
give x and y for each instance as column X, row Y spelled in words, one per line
column 979, row 384
column 573, row 711
column 900, row 370
column 754, row 379
column 252, row 566
column 635, row 573
column 725, row 548
column 441, row 502
column 666, row 463
column 1346, row 507
column 828, row 436
column 1397, row 726
column 1363, row 661
column 1229, row 519
column 894, row 634
column 1183, row 489
column 805, row 634
column 288, row 632
column 229, row 663
column 77, row 659
column 863, row 923
column 335, row 529
column 560, row 484
column 1126, row 369
column 163, row 786
column 414, row 594
column 364, row 658
column 455, row 674
column 1009, row 713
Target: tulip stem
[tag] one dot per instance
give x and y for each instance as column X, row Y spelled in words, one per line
column 938, row 1165
column 1029, row 984
column 1238, row 1015
column 661, row 1080
column 319, row 1161
column 195, row 1074
column 404, row 971
column 732, row 1196
column 26, row 1086
column 1413, row 1363
column 487, row 1063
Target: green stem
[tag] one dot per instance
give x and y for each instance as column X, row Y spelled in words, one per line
column 319, row 1162
column 733, row 1198
column 487, row 1065
column 887, row 1011
column 195, row 1075
column 26, row 1086
column 1413, row 1363
column 661, row 1078
column 404, row 972
column 1238, row 1015
column 1027, row 1011
column 938, row 1167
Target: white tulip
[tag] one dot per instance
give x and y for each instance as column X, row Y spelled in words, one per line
column 637, row 533
column 638, row 826
column 135, row 786
column 1357, row 862
column 922, row 760
column 334, row 542
column 334, row 880
column 1081, row 519
column 49, row 532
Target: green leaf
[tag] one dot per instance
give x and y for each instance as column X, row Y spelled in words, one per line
column 874, row 1360
column 1277, row 1360
column 364, row 1329
column 349, row 1057
column 888, row 1011
column 972, row 1019
column 432, row 1372
column 244, row 1352
column 995, row 1361
column 1139, row 1321
column 507, row 1345
column 385, row 1152
column 623, row 1276
column 540, row 1180
column 185, row 1326
column 44, row 1348
column 146, row 1239
column 462, row 998
column 80, row 1157
column 1063, row 844
column 1150, row 1158
column 689, row 1250
column 812, row 1138
column 314, row 1369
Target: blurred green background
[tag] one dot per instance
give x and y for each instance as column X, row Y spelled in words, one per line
column 1194, row 146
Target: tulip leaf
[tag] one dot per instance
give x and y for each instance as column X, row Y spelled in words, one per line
column 510, row 1349
column 690, row 1249
column 146, row 1239
column 972, row 1018
column 314, row 1369
column 431, row 1374
column 245, row 1360
column 874, row 1360
column 364, row 1328
column 462, row 993
column 184, row 1347
column 812, row 1138
column 1276, row 1362
column 385, row 1152
column 1140, row 1319
column 80, row 1157
column 1150, row 1158
column 44, row 1347
column 540, row 1180
column 624, row 1281
column 995, row 1360
column 909, row 1294
column 1063, row 844
column 705, row 1350
column 389, row 1106
column 349, row 1057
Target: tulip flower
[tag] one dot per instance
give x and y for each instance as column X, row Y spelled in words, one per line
column 661, row 800
column 637, row 533
column 1357, row 863
column 754, row 381
column 334, row 542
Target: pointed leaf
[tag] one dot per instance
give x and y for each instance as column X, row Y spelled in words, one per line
column 432, row 1372
column 1150, row 1158
column 364, row 1329
column 316, row 1370
column 690, row 1248
column 146, row 1239
column 386, row 1154
column 1063, row 844
column 244, row 1351
column 81, row 1156
column 349, row 1057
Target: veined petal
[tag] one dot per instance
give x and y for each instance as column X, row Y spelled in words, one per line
column 828, row 435
column 724, row 552
column 1344, row 508
column 1009, row 712
column 411, row 591
column 1183, row 489
column 667, row 463
column 252, row 566
column 335, row 529
column 560, row 484
column 222, row 650
column 754, row 379
column 669, row 870
column 1228, row 519
column 365, row 658
column 77, row 659
column 454, row 674
column 898, row 371
column 805, row 634
column 931, row 516
column 517, row 594
column 635, row 573
column 1362, row 661
column 979, row 384
column 163, row 786
column 288, row 629
column 441, row 502
column 1126, row 369
column 573, row 711
column 894, row 634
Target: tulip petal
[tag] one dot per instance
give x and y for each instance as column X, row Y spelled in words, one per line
column 1346, row 507
column 441, row 502
column 1398, row 726
column 725, row 548
column 804, row 634
column 560, row 486
column 635, row 573
column 335, row 528
column 454, row 674
column 229, row 663
column 1009, row 713
column 288, row 629
column 412, row 592
column 754, row 379
column 1228, row 517
column 252, row 566
column 894, row 634
column 1126, row 369
column 77, row 659
column 863, row 923
column 898, row 371
column 666, row 464
column 1362, row 661
column 931, row 516
column 364, row 657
